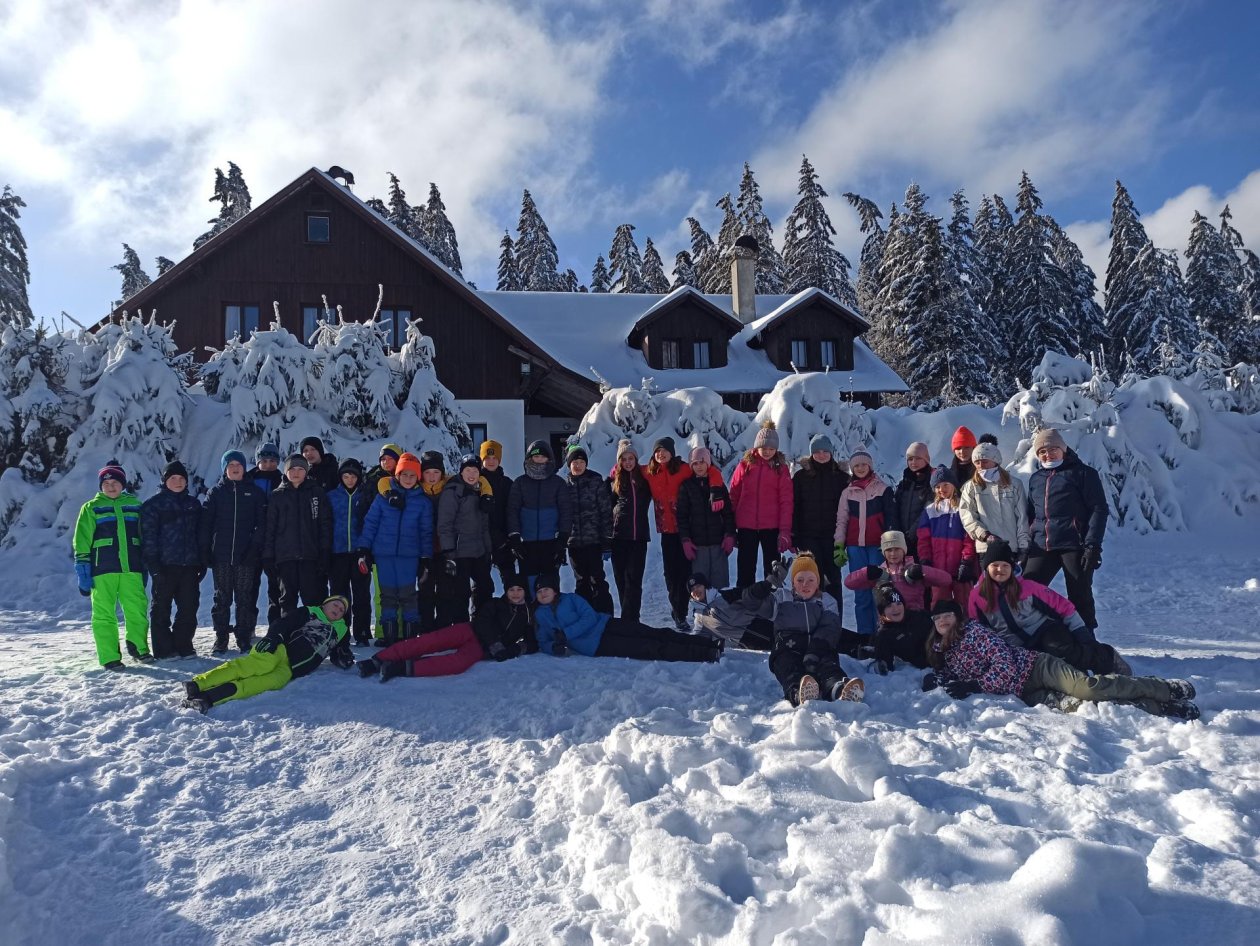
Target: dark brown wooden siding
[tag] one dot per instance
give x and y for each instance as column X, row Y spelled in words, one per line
column 272, row 261
column 687, row 323
column 815, row 324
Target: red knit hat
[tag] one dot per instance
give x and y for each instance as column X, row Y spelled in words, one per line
column 962, row 438
column 407, row 462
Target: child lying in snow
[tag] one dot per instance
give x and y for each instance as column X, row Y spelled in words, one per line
column 971, row 658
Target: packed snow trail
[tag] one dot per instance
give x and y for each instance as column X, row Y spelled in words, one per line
column 589, row 801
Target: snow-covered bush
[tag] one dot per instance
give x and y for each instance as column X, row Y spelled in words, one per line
column 810, row 403
column 356, row 377
column 38, row 411
column 429, row 418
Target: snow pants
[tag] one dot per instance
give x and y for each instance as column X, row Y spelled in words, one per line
column 713, row 564
column 860, row 556
column 250, row 674
column 1043, row 566
column 622, row 638
column 301, row 579
column 441, row 653
column 748, row 543
column 677, row 570
column 1081, row 651
column 794, row 655
column 587, row 562
column 176, row 585
column 237, row 583
column 442, row 600
column 1050, row 674
column 344, row 578
column 629, row 559
column 396, row 576
column 109, row 592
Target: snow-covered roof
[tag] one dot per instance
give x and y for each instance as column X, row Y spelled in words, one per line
column 586, row 333
column 804, row 297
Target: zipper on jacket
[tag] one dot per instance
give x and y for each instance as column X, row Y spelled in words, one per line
column 1045, row 508
column 235, row 515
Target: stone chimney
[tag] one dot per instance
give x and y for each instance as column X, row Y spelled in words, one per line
column 744, row 278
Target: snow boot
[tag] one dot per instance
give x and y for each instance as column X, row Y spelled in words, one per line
column 146, row 658
column 1179, row 709
column 220, row 644
column 115, row 665
column 370, row 667
column 1180, row 690
column 1120, row 666
column 412, row 629
column 191, row 690
column 851, row 690
column 806, row 690
column 218, row 694
column 199, row 703
column 134, row 651
column 391, row 669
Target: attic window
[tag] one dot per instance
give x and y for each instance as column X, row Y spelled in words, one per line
column 800, row 353
column 669, row 353
column 829, row 354
column 700, row 354
column 239, row 320
column 317, row 228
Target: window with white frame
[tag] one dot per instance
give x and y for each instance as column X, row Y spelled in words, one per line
column 800, row 353
column 239, row 320
column 829, row 354
column 700, row 354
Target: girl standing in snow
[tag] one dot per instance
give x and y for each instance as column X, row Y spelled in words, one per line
column 631, row 496
column 944, row 543
column 994, row 504
column 706, row 522
column 816, row 489
column 865, row 505
column 761, row 492
column 972, row 658
column 911, row 495
column 665, row 474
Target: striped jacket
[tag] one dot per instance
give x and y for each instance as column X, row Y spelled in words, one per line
column 107, row 534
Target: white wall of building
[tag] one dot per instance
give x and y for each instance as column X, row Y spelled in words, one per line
column 504, row 421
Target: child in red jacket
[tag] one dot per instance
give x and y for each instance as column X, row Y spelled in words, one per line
column 761, row 493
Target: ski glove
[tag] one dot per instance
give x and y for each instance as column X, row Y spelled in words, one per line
column 365, row 561
column 728, row 544
column 930, row 682
column 839, row 554
column 785, row 542
column 450, row 566
column 961, row 689
column 1092, row 559
column 965, row 573
column 83, row 571
column 516, row 546
column 913, row 572
column 873, row 572
column 498, row 651
column 1022, row 559
column 689, row 550
column 266, row 645
column 778, row 574
column 562, row 554
column 396, row 499
column 341, row 656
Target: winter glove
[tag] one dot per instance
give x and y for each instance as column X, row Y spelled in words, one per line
column 873, row 572
column 498, row 652
column 717, row 505
column 930, row 682
column 516, row 546
column 1022, row 559
column 450, row 566
column 689, row 550
column 396, row 499
column 882, row 667
column 965, row 573
column 760, row 590
column 341, row 656
column 913, row 572
column 83, row 571
column 785, row 542
column 778, row 574
column 560, row 646
column 1091, row 560
column 839, row 554
column 728, row 544
column 365, row 562
column 266, row 645
column 961, row 689
column 425, row 566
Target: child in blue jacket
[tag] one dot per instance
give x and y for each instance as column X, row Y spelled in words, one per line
column 565, row 622
column 350, row 502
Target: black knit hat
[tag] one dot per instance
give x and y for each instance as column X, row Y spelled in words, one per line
column 350, row 465
column 668, row 444
column 514, row 579
column 539, row 448
column 549, row 580
column 947, row 606
column 174, row 468
column 432, row 460
column 470, row 459
column 312, row 442
column 697, row 578
column 997, row 552
column 576, row 452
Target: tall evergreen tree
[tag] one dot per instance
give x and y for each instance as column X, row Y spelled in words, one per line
column 753, row 222
column 684, row 271
column 163, row 264
column 1213, row 279
column 1162, row 314
column 437, row 233
column 571, row 281
column 654, row 280
column 705, row 256
column 868, row 284
column 1233, row 239
column 1122, row 290
column 625, row 266
column 15, row 270
column 810, row 257
column 902, row 249
column 401, row 214
column 1091, row 329
column 600, row 281
column 509, row 275
column 989, row 344
column 718, row 274
column 537, row 259
column 134, row 278
column 1250, row 292
column 232, row 195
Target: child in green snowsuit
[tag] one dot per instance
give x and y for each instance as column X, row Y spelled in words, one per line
column 109, row 569
column 294, row 646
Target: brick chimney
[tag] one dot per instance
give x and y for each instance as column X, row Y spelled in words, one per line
column 744, row 279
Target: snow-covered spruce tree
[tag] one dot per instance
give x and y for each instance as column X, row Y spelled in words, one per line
column 536, row 256
column 134, row 278
column 625, row 266
column 1213, row 279
column 37, row 410
column 437, row 233
column 600, row 280
column 377, row 206
column 571, row 282
column 355, row 384
column 994, row 241
column 430, row 419
column 653, row 270
column 401, row 214
column 1042, row 303
column 810, row 257
column 163, row 264
column 1250, row 291
column 15, row 271
column 990, row 345
column 1205, row 371
column 717, row 277
column 509, row 274
column 684, row 271
column 771, row 273
column 1123, row 289
column 705, row 256
column 868, row 285
column 1158, row 299
column 232, row 195
column 902, row 250
column 1091, row 328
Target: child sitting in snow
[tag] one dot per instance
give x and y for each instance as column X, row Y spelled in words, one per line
column 740, row 616
column 899, row 570
column 902, row 632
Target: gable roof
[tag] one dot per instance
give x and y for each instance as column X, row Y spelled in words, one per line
column 797, row 302
column 667, row 303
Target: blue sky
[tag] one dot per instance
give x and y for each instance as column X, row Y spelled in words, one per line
column 113, row 116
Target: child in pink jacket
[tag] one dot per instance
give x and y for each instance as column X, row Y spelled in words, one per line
column 943, row 542
column 866, row 506
column 901, row 571
column 762, row 497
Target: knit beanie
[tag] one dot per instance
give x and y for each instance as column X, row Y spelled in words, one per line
column 943, row 474
column 549, row 580
column 700, row 453
column 1048, row 437
column 112, row 471
column 408, row 462
column 491, row 448
column 470, row 460
column 514, row 579
column 886, row 595
column 576, row 452
column 391, row 450
column 947, row 606
column 350, row 465
column 267, row 451
column 539, row 448
column 767, row 436
column 861, row 454
column 296, row 459
column 429, row 460
column 175, row 468
column 986, row 451
column 345, row 603
column 997, row 551
column 624, row 447
column 697, row 578
column 312, row 442
column 229, row 456
column 804, row 563
column 821, row 442
column 918, row 449
column 666, row 443
column 988, row 438
column 962, row 438
column 893, row 539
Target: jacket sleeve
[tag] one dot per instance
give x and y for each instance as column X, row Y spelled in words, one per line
column 1057, row 603
column 603, row 510
column 325, row 525
column 842, row 517
column 737, row 482
column 728, row 510
column 892, row 510
column 150, row 537
column 564, row 504
column 447, row 506
column 856, row 580
column 797, row 488
column 682, row 512
column 786, row 499
column 1023, row 531
column 424, row 523
column 828, row 629
column 269, row 531
column 486, row 625
column 968, row 508
column 205, row 527
column 923, row 530
column 545, row 625
column 514, row 509
column 1096, row 503
column 937, row 577
column 371, row 523
column 84, row 531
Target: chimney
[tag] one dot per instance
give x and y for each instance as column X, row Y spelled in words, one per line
column 744, row 279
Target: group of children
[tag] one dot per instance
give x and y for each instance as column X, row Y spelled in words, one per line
column 324, row 534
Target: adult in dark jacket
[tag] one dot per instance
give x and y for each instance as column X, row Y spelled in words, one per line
column 706, row 520
column 171, row 555
column 631, row 497
column 911, row 494
column 540, row 513
column 1067, row 510
column 816, row 489
column 231, row 538
column 297, row 542
column 590, row 539
column 323, row 466
column 463, row 533
column 501, row 486
column 265, row 474
column 347, row 577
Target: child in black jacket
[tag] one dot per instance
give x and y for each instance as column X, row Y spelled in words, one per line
column 297, row 543
column 230, row 537
column 168, row 525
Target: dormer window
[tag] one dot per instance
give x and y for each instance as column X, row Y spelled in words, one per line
column 669, row 353
column 829, row 354
column 700, row 354
column 800, row 353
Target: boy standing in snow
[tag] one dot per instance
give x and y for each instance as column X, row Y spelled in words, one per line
column 397, row 535
column 266, row 476
column 298, row 538
column 540, row 514
column 463, row 534
column 349, row 577
column 706, row 520
column 107, row 562
column 230, row 537
column 501, row 485
column 590, row 539
column 172, row 556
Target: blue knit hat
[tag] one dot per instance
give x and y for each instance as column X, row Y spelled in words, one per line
column 821, row 442
column 943, row 474
column 267, row 451
column 232, row 455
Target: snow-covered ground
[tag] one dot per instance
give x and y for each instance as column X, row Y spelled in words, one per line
column 585, row 801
